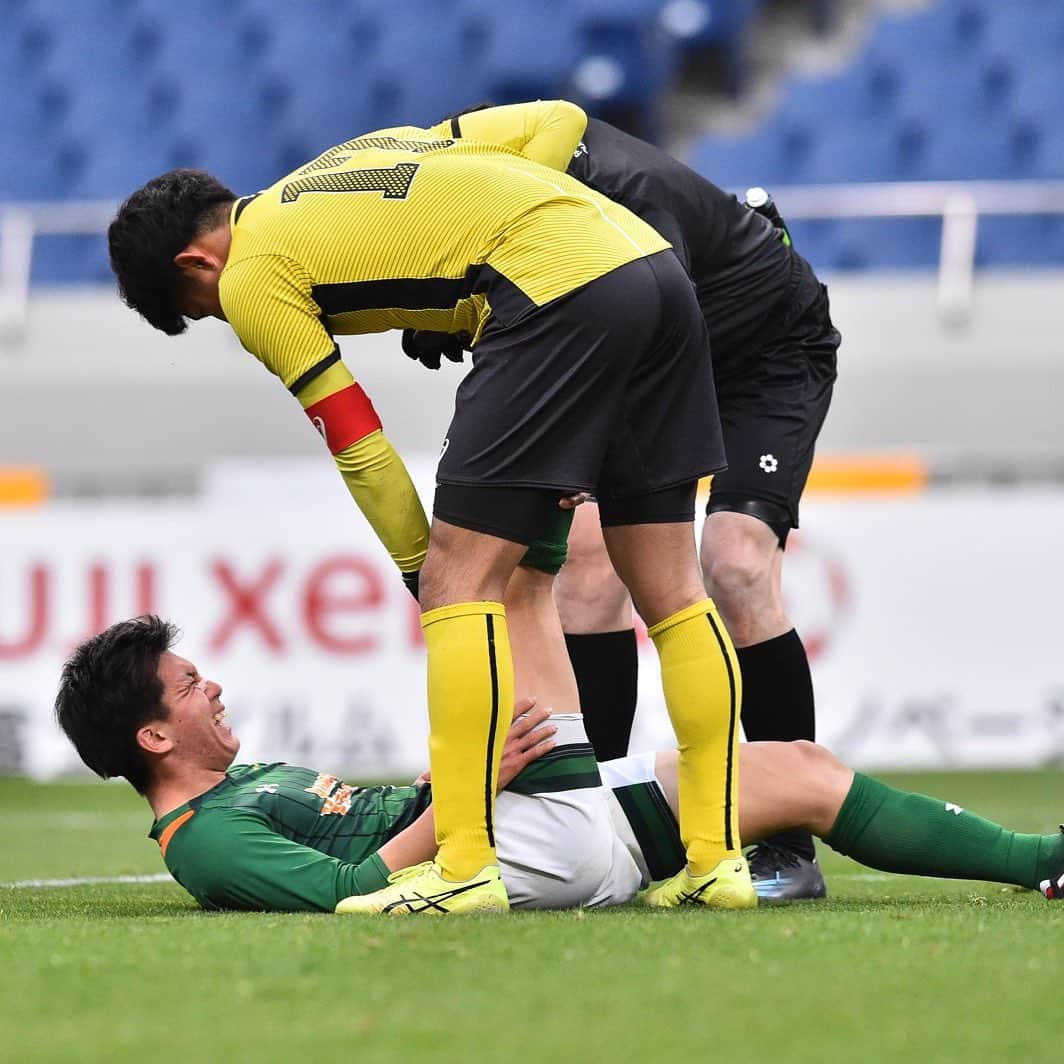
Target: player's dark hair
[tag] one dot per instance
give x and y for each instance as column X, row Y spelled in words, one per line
column 110, row 688
column 156, row 223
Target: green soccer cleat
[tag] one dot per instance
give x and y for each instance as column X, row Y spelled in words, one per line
column 422, row 890
column 728, row 886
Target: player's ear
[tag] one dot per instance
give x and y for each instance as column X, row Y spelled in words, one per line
column 194, row 258
column 152, row 739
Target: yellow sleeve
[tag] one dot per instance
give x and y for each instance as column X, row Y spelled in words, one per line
column 546, row 131
column 276, row 320
column 375, row 475
column 381, row 487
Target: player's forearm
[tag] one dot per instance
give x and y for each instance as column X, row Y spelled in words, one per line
column 372, row 470
column 412, row 845
column 382, row 489
column 546, row 131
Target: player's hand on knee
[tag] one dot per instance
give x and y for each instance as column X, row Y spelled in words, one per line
column 429, row 348
column 528, row 739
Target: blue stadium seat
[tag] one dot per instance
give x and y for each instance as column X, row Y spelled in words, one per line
column 626, row 32
column 774, row 154
column 950, row 30
column 1026, row 240
column 886, row 244
column 954, row 152
column 964, row 90
column 543, row 67
column 1048, row 153
column 866, row 91
column 70, row 259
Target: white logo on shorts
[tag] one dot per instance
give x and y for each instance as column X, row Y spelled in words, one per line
column 267, row 788
column 769, row 463
column 446, row 444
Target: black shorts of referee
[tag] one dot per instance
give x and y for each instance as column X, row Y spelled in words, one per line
column 773, row 395
column 607, row 389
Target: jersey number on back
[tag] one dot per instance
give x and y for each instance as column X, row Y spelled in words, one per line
column 393, row 182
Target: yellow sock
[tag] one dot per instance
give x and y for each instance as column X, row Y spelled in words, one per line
column 471, row 699
column 703, row 690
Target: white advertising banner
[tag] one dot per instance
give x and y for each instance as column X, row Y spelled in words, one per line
column 931, row 622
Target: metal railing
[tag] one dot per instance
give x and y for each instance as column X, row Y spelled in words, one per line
column 958, row 203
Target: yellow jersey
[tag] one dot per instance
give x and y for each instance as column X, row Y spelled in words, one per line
column 411, row 228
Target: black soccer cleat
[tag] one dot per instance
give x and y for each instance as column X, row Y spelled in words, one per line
column 781, row 874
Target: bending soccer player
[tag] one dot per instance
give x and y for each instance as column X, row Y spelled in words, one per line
column 773, row 348
column 289, row 838
column 589, row 374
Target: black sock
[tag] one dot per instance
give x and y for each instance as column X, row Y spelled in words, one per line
column 607, row 673
column 778, row 705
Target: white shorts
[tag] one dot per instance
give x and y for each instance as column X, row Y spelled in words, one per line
column 558, row 846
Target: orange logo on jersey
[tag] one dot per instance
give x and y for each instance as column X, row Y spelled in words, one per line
column 322, row 785
column 338, row 803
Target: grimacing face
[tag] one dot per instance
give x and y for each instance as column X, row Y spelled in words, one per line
column 196, row 725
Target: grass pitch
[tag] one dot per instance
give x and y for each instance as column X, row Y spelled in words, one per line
column 890, row 968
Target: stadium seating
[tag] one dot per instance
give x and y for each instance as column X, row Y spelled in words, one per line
column 101, row 94
column 963, row 90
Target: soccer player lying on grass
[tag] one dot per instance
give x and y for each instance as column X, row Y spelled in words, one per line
column 570, row 833
column 590, row 374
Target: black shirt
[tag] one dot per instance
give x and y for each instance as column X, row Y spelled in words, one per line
column 744, row 274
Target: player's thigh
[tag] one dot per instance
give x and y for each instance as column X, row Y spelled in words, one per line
column 659, row 565
column 465, row 565
column 772, row 408
column 591, row 597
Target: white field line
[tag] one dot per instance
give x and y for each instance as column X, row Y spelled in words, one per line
column 82, row 881
column 164, row 877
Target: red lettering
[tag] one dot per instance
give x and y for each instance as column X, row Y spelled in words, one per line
column 37, row 614
column 146, row 588
column 341, row 586
column 98, row 599
column 246, row 605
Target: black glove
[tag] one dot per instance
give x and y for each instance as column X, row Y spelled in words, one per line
column 411, row 581
column 429, row 347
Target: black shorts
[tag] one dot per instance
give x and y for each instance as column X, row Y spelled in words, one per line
column 607, row 389
column 772, row 406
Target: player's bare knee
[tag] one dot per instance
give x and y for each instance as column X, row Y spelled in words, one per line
column 739, row 578
column 825, row 781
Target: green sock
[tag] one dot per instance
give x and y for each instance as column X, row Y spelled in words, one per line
column 897, row 831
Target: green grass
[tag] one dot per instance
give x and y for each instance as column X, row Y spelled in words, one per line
column 889, row 969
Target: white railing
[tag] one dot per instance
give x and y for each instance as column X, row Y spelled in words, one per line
column 959, row 204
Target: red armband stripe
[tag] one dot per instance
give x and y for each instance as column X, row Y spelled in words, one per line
column 344, row 418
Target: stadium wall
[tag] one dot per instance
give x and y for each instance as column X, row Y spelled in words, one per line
column 92, row 389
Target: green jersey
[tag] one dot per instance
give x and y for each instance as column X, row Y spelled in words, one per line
column 282, row 837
